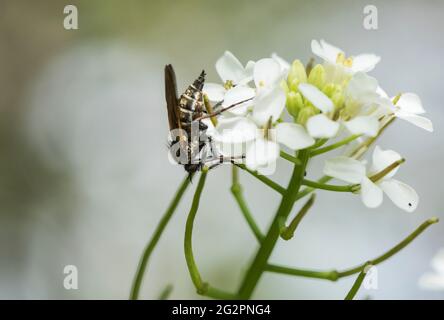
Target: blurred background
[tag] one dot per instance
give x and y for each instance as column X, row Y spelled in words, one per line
column 84, row 175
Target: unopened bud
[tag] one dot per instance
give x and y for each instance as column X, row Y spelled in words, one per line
column 297, row 72
column 294, row 103
column 317, row 76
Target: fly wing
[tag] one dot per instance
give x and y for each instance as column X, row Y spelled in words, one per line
column 171, row 97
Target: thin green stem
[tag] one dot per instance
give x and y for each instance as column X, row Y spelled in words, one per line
column 333, row 146
column 334, row 275
column 290, row 158
column 236, row 190
column 202, row 288
column 288, row 232
column 329, row 187
column 326, row 275
column 166, row 292
column 273, row 185
column 155, row 238
column 393, row 250
column 357, row 284
column 259, row 263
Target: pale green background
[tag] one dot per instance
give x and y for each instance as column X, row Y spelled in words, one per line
column 84, row 176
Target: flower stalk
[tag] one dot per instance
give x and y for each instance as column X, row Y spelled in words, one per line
column 334, row 275
column 288, row 232
column 236, row 190
column 260, row 261
column 202, row 288
column 135, row 289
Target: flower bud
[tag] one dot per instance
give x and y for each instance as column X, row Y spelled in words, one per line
column 317, row 76
column 294, row 103
column 335, row 93
column 297, row 72
column 306, row 113
column 293, row 85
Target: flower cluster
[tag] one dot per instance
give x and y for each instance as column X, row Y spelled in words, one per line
column 324, row 101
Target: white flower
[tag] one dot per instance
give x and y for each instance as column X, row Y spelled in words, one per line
column 262, row 142
column 408, row 107
column 322, row 126
column 235, row 77
column 434, row 280
column 285, row 66
column 354, row 171
column 269, row 101
column 335, row 56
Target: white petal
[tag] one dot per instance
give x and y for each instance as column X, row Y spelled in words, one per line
column 381, row 159
column 261, row 153
column 267, row 72
column 268, row 103
column 214, row 91
column 432, row 281
column 235, row 130
column 365, row 62
column 285, row 66
column 411, row 103
column 381, row 92
column 229, row 68
column 371, row 194
column 320, row 126
column 316, row 97
column 368, row 125
column 293, row 136
column 236, row 95
column 345, row 168
column 419, row 121
column 402, row 195
column 249, row 68
column 363, row 88
column 325, row 50
column 438, row 262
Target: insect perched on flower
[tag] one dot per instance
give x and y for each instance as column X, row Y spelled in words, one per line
column 190, row 145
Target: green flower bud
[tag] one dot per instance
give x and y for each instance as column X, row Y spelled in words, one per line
column 338, row 99
column 306, row 113
column 297, row 72
column 330, row 89
column 294, row 103
column 293, row 85
column 335, row 93
column 283, row 84
column 317, row 76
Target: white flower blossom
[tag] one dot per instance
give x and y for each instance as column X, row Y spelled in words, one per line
column 354, row 171
column 335, row 56
column 360, row 95
column 235, row 78
column 408, row 107
column 434, row 280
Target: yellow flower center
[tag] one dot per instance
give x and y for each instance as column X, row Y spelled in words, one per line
column 342, row 59
column 228, row 84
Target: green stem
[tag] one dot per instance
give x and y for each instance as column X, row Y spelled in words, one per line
column 288, row 232
column 236, row 190
column 166, row 292
column 290, row 158
column 317, row 185
column 155, row 238
column 259, row 263
column 333, row 146
column 357, row 284
column 334, row 275
column 202, row 288
column 273, row 185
